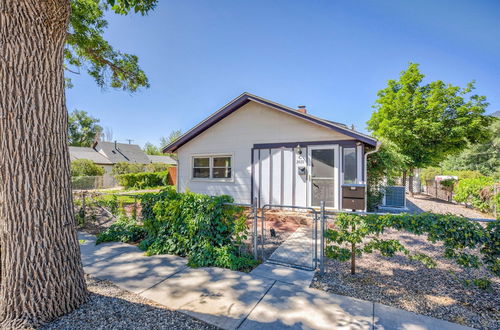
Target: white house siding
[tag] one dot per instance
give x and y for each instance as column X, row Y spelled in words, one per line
column 235, row 135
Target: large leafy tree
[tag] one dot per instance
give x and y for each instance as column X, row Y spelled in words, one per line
column 82, row 129
column 428, row 121
column 482, row 157
column 41, row 269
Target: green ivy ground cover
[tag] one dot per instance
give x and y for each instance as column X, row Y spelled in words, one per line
column 195, row 226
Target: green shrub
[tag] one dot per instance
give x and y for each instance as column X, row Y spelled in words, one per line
column 349, row 238
column 125, row 168
column 85, row 167
column 157, row 167
column 477, row 192
column 142, row 180
column 125, row 230
column 431, row 172
column 197, row 226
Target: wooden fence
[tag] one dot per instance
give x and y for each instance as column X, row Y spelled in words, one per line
column 437, row 190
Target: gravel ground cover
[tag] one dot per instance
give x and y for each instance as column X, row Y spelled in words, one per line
column 399, row 282
column 110, row 307
column 424, row 203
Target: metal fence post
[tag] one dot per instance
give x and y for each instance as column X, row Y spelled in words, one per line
column 255, row 216
column 322, row 240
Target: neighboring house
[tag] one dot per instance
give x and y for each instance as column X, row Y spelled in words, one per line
column 253, row 147
column 89, row 153
column 122, row 152
column 106, row 154
column 162, row 160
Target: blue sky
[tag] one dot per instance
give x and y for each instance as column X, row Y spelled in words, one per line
column 332, row 56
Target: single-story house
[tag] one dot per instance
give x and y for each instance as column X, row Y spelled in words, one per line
column 121, row 152
column 257, row 148
column 90, row 154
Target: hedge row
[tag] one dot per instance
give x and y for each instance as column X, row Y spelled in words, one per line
column 143, row 180
column 126, row 168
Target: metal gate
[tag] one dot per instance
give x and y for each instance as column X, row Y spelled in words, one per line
column 299, row 248
column 296, row 247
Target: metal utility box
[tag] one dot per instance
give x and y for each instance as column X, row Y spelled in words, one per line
column 353, row 196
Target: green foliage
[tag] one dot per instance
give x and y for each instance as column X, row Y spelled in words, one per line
column 82, row 129
column 481, row 283
column 481, row 157
column 430, row 173
column 459, row 236
column 85, row 167
column 86, row 47
column 151, row 149
column 157, row 167
column 427, row 122
column 143, row 180
column 125, row 168
column 197, row 226
column 383, row 167
column 126, row 230
column 477, row 192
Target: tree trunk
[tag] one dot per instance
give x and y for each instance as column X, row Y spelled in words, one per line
column 410, row 182
column 41, row 270
column 404, row 180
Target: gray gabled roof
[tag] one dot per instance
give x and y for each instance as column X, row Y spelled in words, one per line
column 162, row 159
column 247, row 97
column 88, row 153
column 122, row 152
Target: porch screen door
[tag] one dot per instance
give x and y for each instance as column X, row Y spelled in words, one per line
column 322, row 177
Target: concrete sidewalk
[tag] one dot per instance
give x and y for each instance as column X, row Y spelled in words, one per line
column 270, row 297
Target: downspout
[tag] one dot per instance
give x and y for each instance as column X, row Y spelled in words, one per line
column 365, row 177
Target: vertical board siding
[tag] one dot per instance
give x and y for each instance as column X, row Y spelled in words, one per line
column 288, row 174
column 265, row 176
column 276, row 176
column 255, row 175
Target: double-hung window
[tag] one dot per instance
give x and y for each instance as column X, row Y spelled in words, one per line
column 212, row 167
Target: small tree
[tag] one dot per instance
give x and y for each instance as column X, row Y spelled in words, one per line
column 85, row 167
column 383, row 168
column 151, row 149
column 429, row 121
column 82, row 129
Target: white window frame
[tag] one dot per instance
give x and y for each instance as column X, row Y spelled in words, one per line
column 357, row 169
column 211, row 166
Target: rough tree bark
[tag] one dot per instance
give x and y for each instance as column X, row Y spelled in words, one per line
column 410, row 181
column 41, row 270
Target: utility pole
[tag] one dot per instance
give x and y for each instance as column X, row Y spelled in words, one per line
column 129, row 141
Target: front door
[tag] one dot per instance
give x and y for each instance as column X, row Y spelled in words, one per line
column 323, row 174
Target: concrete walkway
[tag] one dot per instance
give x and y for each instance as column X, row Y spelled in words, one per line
column 298, row 249
column 270, row 297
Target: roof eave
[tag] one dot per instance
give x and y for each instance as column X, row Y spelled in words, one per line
column 245, row 98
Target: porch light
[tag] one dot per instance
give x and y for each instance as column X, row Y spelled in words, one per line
column 299, row 150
